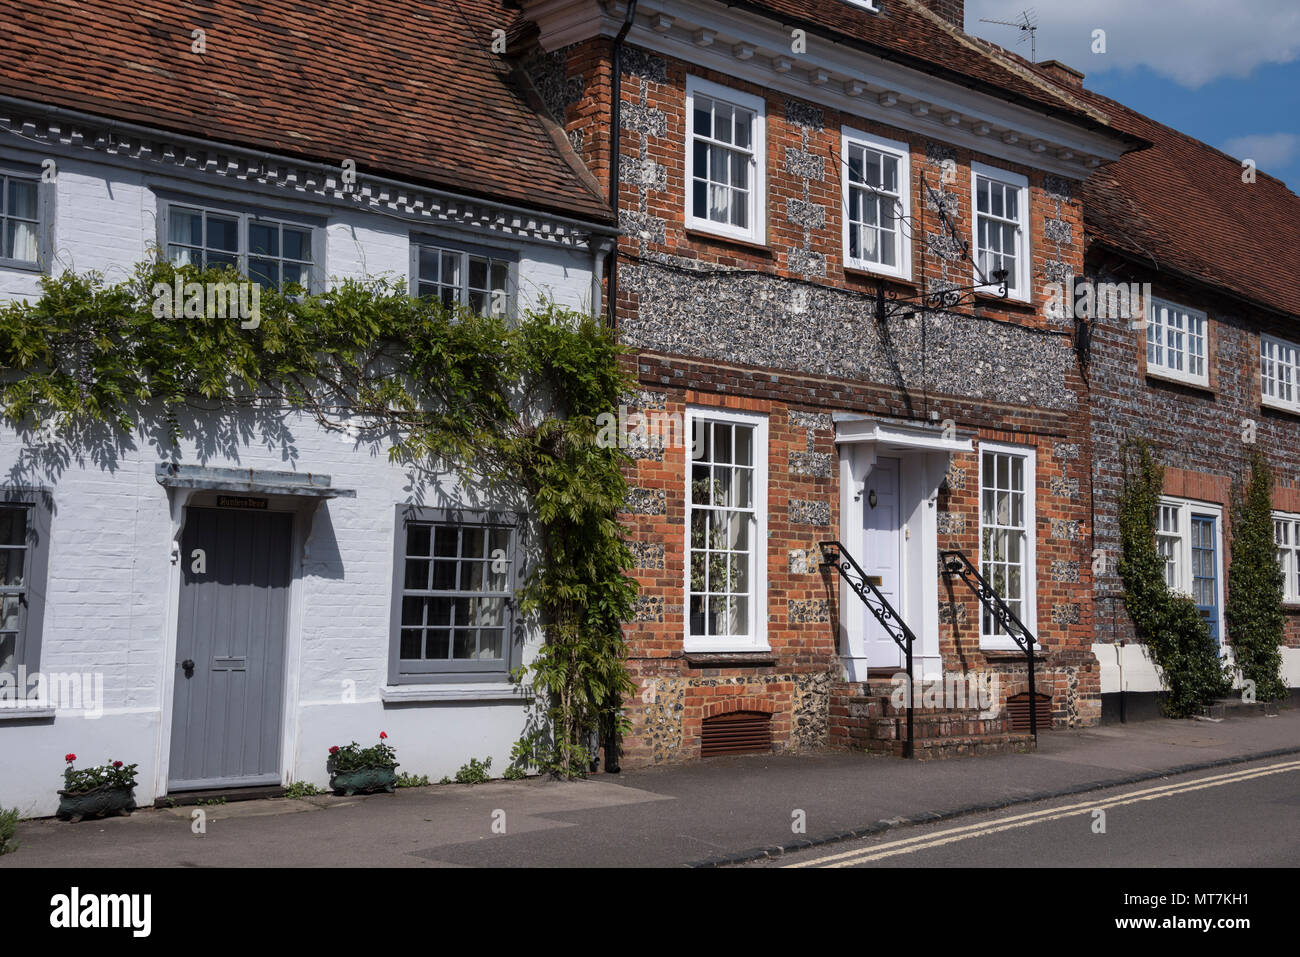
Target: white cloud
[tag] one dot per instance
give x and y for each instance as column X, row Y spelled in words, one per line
column 1189, row 41
column 1270, row 151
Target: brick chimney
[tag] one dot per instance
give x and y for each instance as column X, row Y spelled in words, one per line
column 1058, row 71
column 954, row 11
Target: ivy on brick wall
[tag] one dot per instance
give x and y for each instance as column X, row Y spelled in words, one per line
column 1177, row 638
column 1254, row 612
column 512, row 404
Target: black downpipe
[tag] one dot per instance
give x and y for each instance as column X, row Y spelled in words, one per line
column 610, row 722
column 615, row 123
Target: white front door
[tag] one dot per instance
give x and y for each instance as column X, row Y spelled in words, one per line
column 882, row 556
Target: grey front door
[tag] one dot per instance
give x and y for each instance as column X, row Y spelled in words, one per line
column 230, row 648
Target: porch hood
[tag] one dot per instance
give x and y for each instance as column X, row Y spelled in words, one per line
column 853, row 429
column 258, row 481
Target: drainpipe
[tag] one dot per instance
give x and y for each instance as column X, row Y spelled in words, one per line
column 615, row 120
column 609, row 726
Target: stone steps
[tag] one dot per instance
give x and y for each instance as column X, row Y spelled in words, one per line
column 863, row 717
column 930, row 749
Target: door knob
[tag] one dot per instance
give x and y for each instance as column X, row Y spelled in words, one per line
column 188, row 666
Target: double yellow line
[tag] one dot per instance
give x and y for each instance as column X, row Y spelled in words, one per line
column 951, row 835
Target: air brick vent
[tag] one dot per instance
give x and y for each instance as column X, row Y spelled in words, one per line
column 739, row 732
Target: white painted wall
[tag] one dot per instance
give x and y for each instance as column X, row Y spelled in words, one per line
column 111, row 583
column 1130, row 668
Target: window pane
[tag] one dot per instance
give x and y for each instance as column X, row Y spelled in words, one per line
column 409, row 648
column 722, row 123
column 742, row 130
column 417, row 574
column 438, row 644
column 444, row 576
column 296, row 273
column 22, row 199
column 13, row 526
column 445, row 540
column 263, row 239
column 478, row 272
column 413, row 611
column 11, row 566
column 185, row 227
column 297, row 243
column 490, row 643
column 223, row 233
column 703, row 116
column 266, row 272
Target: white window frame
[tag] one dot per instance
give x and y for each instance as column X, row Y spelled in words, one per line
column 1029, row 606
column 1161, row 367
column 1276, row 365
column 849, row 138
column 1187, row 508
column 1024, row 252
column 757, row 231
column 757, row 638
column 1289, row 561
column 245, row 217
column 494, row 256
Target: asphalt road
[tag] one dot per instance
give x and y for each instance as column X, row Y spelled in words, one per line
column 1244, row 816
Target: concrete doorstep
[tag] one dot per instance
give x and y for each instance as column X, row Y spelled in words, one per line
column 709, row 813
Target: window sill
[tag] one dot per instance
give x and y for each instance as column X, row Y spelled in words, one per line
column 690, row 650
column 751, row 244
column 21, row 265
column 483, row 691
column 729, row 659
column 1168, row 379
column 988, row 296
column 864, row 272
column 998, row 654
column 1267, row 405
column 26, row 714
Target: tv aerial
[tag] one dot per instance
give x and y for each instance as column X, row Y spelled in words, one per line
column 1028, row 27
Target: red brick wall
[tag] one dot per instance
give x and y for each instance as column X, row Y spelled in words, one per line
column 676, row 692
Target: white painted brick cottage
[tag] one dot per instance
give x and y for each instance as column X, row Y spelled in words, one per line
column 222, row 610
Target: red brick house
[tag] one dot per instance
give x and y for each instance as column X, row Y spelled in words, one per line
column 1207, row 370
column 792, row 180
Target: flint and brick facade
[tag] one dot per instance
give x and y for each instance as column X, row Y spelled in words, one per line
column 780, row 327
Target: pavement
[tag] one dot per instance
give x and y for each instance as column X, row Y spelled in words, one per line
column 723, row 810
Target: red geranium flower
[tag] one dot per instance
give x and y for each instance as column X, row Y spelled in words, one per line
column 117, row 764
column 382, row 735
column 69, row 758
column 334, row 750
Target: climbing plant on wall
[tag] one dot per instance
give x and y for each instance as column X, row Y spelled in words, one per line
column 1254, row 612
column 1176, row 636
column 512, row 405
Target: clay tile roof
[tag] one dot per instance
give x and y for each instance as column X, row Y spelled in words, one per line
column 1181, row 206
column 406, row 89
column 909, row 32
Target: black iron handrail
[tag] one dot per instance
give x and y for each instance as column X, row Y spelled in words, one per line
column 956, row 563
column 834, row 554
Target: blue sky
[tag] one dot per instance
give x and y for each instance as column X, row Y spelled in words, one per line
column 1226, row 73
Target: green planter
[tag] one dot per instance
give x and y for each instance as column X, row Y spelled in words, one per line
column 364, row 780
column 98, row 802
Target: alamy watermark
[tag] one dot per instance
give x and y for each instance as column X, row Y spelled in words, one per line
column 65, row 691
column 1100, row 300
column 647, row 430
column 950, row 692
column 240, row 300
